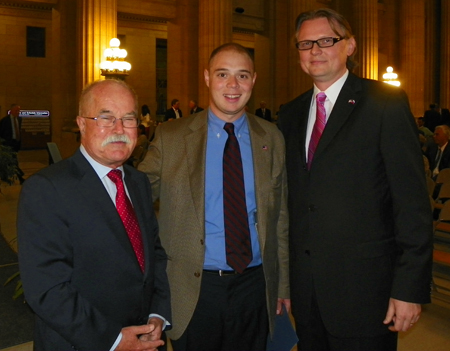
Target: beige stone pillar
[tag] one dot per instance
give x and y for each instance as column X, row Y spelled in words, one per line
column 64, row 75
column 216, row 25
column 284, row 54
column 432, row 47
column 298, row 80
column 412, row 52
column 365, row 29
column 182, row 55
column 445, row 54
column 97, row 26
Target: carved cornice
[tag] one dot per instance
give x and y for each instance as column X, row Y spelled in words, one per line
column 244, row 31
column 139, row 18
column 26, row 5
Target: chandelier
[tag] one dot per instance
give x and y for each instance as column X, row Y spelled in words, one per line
column 115, row 66
column 390, row 77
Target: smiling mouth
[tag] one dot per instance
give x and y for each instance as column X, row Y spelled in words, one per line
column 232, row 96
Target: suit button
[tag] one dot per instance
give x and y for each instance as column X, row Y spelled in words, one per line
column 202, row 242
column 197, row 274
column 312, row 208
column 307, row 252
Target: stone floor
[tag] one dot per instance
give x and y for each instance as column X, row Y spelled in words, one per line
column 432, row 333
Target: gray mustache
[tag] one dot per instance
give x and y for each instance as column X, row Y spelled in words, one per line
column 114, row 138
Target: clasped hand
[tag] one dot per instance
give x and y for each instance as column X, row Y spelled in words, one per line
column 142, row 337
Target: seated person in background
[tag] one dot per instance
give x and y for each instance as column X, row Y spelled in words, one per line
column 421, row 125
column 141, row 147
column 264, row 112
column 439, row 153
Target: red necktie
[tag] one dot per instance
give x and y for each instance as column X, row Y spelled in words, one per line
column 319, row 126
column 237, row 233
column 128, row 216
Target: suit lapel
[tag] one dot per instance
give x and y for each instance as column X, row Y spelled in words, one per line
column 302, row 123
column 195, row 144
column 262, row 158
column 345, row 104
column 93, row 190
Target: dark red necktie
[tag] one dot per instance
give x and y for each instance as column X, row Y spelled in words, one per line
column 128, row 216
column 237, row 232
column 319, row 126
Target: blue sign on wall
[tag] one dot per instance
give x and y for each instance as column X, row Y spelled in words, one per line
column 34, row 113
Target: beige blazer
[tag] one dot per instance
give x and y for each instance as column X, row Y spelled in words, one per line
column 175, row 164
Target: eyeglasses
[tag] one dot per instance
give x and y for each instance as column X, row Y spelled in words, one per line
column 321, row 43
column 109, row 121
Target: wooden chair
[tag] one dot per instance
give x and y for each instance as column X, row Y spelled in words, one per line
column 444, row 214
column 53, row 152
column 443, row 176
column 443, row 196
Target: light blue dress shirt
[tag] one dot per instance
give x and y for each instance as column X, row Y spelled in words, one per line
column 215, row 257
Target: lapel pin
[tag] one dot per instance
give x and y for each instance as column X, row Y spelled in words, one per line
column 351, row 101
column 265, row 147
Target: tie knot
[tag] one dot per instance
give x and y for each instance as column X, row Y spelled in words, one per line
column 229, row 128
column 321, row 97
column 115, row 175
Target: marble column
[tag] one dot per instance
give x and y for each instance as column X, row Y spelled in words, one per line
column 298, row 80
column 215, row 28
column 445, row 54
column 365, row 29
column 412, row 52
column 97, row 20
column 64, row 75
column 182, row 55
column 432, row 46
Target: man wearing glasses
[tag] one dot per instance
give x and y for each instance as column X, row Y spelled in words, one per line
column 92, row 266
column 360, row 221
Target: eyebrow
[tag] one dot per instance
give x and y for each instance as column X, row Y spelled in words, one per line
column 227, row 69
column 133, row 113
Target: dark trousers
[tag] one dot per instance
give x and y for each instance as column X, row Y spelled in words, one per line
column 314, row 337
column 231, row 314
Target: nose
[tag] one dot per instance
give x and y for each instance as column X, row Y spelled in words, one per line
column 232, row 82
column 315, row 49
column 118, row 125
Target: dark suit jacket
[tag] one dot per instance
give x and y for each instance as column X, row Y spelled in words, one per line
column 197, row 110
column 267, row 116
column 432, row 119
column 6, row 132
column 360, row 221
column 170, row 113
column 445, row 159
column 78, row 268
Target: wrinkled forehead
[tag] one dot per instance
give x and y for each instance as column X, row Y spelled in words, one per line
column 112, row 99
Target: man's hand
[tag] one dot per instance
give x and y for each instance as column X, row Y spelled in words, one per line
column 131, row 339
column 402, row 314
column 156, row 325
column 286, row 303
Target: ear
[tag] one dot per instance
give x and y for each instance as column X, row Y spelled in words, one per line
column 81, row 124
column 351, row 46
column 254, row 78
column 206, row 74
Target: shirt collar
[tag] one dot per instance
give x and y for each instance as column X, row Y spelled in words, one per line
column 100, row 169
column 217, row 124
column 334, row 89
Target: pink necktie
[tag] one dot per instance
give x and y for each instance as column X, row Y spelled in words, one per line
column 237, row 233
column 318, row 128
column 128, row 216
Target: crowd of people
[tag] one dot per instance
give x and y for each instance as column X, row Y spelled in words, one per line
column 314, row 215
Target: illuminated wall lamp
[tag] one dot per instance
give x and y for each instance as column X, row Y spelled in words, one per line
column 115, row 66
column 390, row 77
